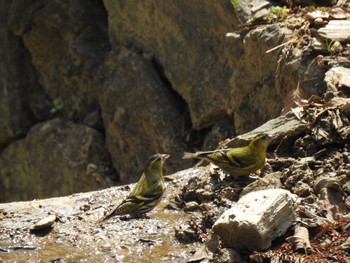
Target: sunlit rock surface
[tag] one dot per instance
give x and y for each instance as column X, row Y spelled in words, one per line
column 256, row 219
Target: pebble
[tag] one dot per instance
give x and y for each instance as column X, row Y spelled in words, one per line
column 44, row 223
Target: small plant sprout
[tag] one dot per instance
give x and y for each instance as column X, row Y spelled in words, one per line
column 57, row 105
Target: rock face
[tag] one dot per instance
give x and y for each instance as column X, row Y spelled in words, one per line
column 256, row 219
column 18, row 83
column 181, row 43
column 66, row 42
column 253, row 78
column 57, row 157
column 216, row 77
column 140, row 113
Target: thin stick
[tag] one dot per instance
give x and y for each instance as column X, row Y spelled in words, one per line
column 281, row 45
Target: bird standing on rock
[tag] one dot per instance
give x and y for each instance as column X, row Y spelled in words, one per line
column 148, row 191
column 237, row 161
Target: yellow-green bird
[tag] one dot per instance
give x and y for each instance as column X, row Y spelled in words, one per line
column 237, row 161
column 148, row 191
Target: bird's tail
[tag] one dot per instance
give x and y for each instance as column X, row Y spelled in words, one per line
column 106, row 217
column 188, row 155
column 197, row 155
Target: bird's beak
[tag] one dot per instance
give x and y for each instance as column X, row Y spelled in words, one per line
column 165, row 157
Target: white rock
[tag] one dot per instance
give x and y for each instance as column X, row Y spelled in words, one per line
column 256, row 219
column 338, row 77
column 44, row 223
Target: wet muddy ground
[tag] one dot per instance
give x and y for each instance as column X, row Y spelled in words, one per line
column 77, row 236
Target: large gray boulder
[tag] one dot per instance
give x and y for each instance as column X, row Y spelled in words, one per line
column 141, row 115
column 56, row 157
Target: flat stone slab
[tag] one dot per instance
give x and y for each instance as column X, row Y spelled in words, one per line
column 336, row 30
